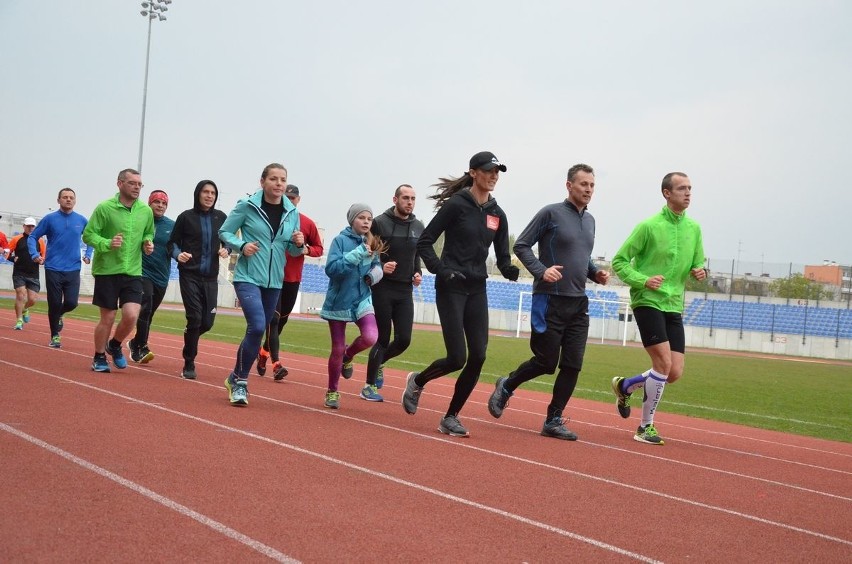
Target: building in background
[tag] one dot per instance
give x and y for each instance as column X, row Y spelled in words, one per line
column 832, row 274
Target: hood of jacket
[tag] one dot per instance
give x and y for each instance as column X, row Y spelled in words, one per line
column 196, row 200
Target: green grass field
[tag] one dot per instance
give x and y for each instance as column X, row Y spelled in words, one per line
column 793, row 396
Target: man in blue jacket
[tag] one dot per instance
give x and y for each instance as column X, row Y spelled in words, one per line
column 63, row 229
column 156, row 269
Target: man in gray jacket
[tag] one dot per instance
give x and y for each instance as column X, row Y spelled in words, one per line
column 565, row 234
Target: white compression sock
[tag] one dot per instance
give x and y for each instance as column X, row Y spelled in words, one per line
column 653, row 393
column 635, row 382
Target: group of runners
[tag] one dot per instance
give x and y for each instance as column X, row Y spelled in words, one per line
column 373, row 265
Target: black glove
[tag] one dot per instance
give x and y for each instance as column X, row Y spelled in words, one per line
column 511, row 272
column 449, row 274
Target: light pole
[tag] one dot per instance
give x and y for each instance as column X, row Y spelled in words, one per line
column 151, row 11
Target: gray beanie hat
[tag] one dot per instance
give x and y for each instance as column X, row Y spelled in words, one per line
column 356, row 209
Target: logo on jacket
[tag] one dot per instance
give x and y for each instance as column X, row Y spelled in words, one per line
column 492, row 222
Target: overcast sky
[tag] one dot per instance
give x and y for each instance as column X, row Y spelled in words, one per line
column 751, row 99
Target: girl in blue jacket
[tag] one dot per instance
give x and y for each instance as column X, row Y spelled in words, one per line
column 353, row 266
column 268, row 225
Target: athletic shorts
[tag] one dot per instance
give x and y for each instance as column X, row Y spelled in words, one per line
column 112, row 291
column 32, row 284
column 657, row 327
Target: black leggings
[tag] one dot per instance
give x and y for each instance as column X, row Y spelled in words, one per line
column 152, row 297
column 464, row 319
column 286, row 302
column 394, row 307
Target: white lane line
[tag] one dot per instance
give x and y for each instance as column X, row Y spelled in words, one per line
column 369, row 471
column 459, row 444
column 319, row 372
column 590, row 443
column 607, row 446
column 154, row 496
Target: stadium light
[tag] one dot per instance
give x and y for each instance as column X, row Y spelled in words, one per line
column 150, row 11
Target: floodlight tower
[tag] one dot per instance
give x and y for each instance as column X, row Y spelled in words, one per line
column 154, row 10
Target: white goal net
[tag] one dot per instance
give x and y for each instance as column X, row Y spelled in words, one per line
column 609, row 318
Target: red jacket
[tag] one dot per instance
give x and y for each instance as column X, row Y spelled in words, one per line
column 293, row 268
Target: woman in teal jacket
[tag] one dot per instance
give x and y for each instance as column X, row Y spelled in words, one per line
column 353, row 266
column 269, row 229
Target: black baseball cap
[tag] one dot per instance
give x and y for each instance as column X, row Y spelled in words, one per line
column 486, row 160
column 292, row 190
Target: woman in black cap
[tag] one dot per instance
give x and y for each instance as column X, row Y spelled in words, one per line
column 471, row 221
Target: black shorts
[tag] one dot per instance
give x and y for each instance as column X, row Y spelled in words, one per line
column 657, row 327
column 32, row 284
column 112, row 291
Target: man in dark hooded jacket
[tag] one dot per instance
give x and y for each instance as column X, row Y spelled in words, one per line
column 196, row 247
column 393, row 298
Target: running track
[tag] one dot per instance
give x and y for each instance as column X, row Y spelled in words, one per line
column 140, row 465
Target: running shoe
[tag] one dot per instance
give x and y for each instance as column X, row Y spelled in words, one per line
column 237, row 391
column 622, row 400
column 147, row 355
column 380, row 377
column 262, row 357
column 19, row 325
column 347, row 369
column 450, row 425
column 278, row 371
column 25, row 315
column 370, row 393
column 556, row 428
column 100, row 364
column 648, row 434
column 411, row 395
column 56, row 342
column 188, row 372
column 499, row 398
column 117, row 356
column 332, row 400
column 139, row 355
column 135, row 352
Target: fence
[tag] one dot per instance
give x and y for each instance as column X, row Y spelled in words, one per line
column 747, row 323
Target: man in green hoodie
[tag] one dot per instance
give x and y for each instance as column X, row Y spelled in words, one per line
column 120, row 230
column 655, row 261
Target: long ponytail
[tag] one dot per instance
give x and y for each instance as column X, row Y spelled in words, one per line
column 447, row 187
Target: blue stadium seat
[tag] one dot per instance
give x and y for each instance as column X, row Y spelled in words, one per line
column 763, row 317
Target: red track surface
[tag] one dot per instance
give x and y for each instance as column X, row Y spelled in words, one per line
column 139, row 464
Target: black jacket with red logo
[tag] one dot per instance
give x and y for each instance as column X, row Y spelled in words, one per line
column 469, row 230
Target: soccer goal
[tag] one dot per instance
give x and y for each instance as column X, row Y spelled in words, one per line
column 603, row 314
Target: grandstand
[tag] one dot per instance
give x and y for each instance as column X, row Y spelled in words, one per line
column 502, row 295
column 767, row 325
column 770, row 318
column 700, row 312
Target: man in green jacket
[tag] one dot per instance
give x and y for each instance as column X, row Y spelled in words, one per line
column 120, row 230
column 655, row 261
